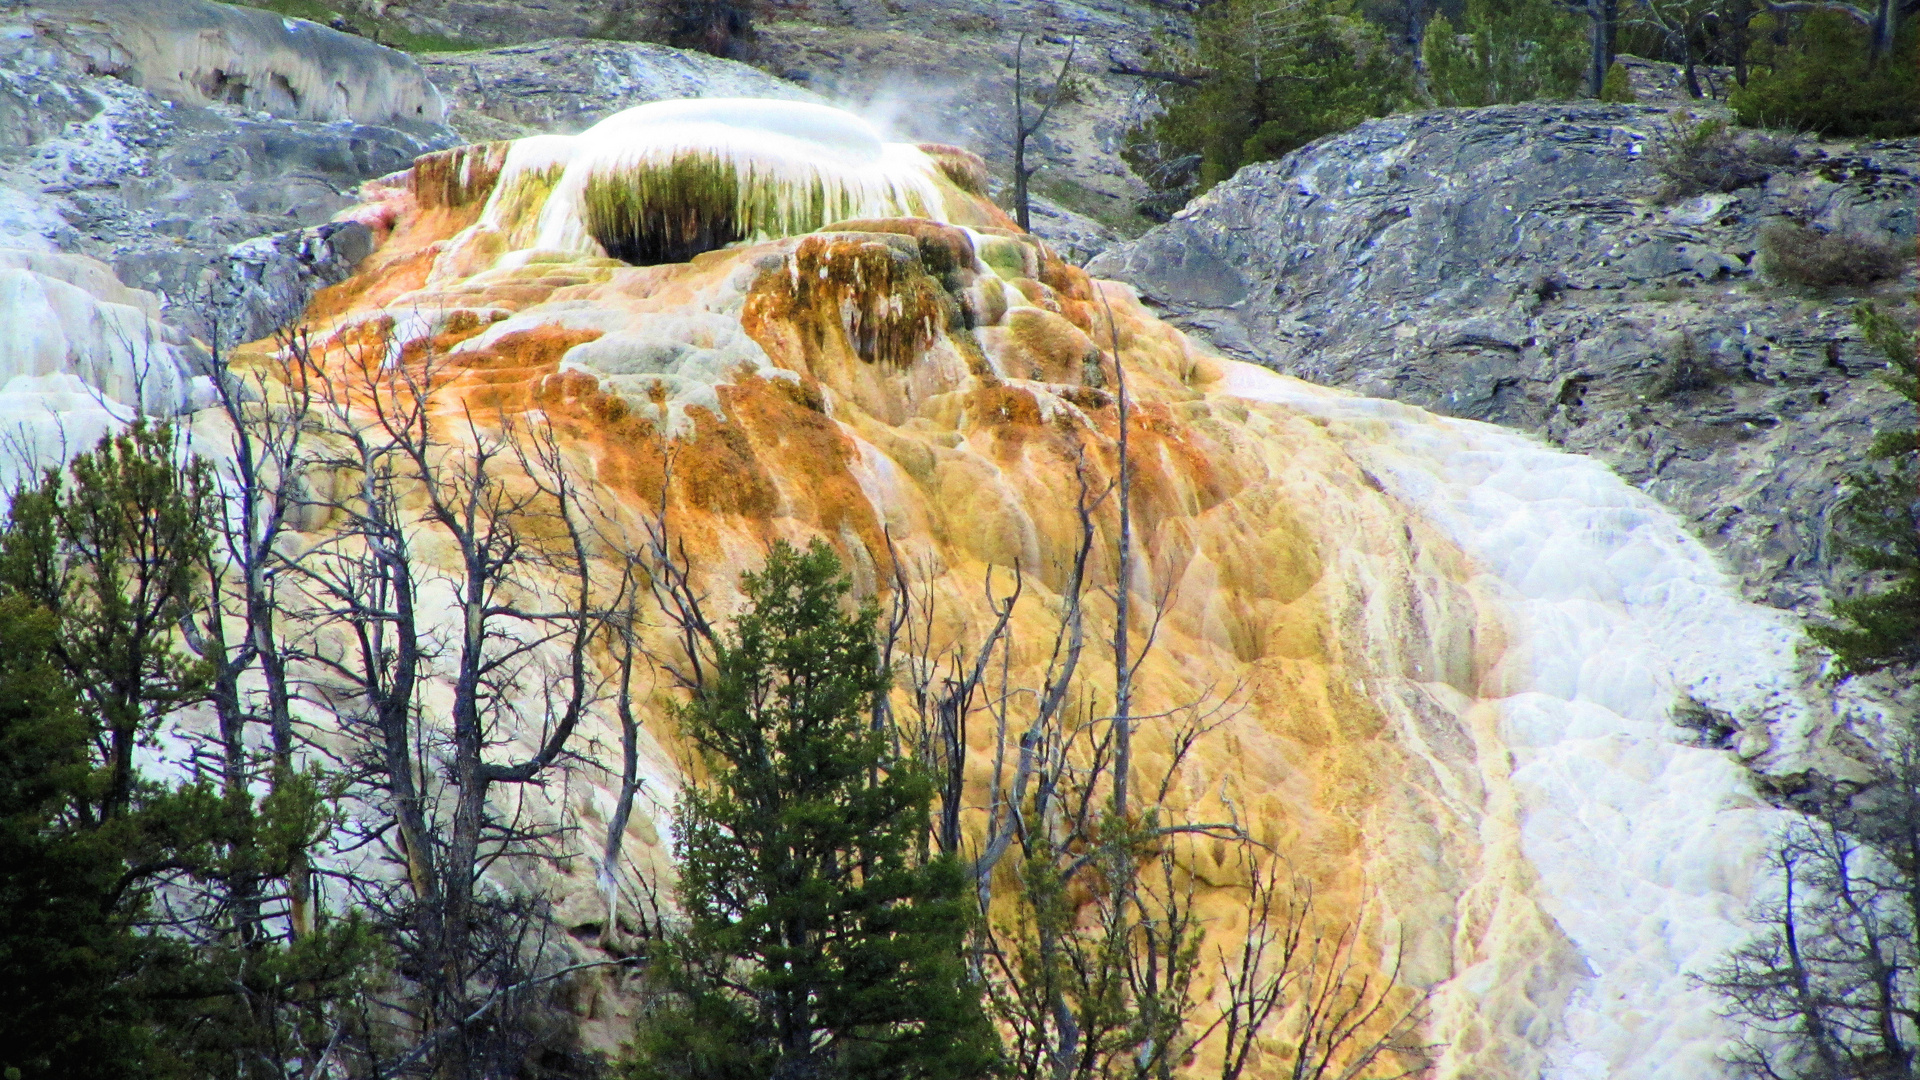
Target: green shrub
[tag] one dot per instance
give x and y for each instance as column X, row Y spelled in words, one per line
column 1617, row 89
column 1802, row 255
column 717, row 27
column 1273, row 82
column 1504, row 51
column 1688, row 372
column 1821, row 81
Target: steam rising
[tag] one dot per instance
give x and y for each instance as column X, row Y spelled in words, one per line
column 663, row 182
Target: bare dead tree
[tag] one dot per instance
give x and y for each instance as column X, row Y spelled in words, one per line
column 659, row 572
column 512, row 660
column 260, row 478
column 1603, row 20
column 1025, row 128
column 624, row 628
column 1092, row 960
column 1829, row 989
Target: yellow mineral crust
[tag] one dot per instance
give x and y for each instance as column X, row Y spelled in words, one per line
column 918, row 391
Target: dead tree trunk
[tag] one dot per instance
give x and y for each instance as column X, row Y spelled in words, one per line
column 1023, row 129
column 502, row 500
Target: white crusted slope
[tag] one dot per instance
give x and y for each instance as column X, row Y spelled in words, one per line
column 1647, row 850
column 197, row 52
column 80, row 354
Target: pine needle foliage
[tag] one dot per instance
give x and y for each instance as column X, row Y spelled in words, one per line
column 1617, row 88
column 1276, row 77
column 100, row 565
column 113, row 549
column 1504, row 51
column 820, row 939
column 1822, row 80
column 65, row 1008
column 1879, row 526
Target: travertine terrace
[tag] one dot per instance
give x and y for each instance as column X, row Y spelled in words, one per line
column 1444, row 656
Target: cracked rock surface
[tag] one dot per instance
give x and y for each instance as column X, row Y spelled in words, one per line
column 1516, row 265
column 565, row 85
column 166, row 189
column 925, row 70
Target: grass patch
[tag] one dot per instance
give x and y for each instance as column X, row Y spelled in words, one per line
column 667, row 213
column 1687, row 372
column 382, row 31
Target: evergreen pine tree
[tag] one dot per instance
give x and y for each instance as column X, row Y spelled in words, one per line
column 1276, row 78
column 65, row 1007
column 99, row 565
column 113, row 548
column 1504, row 51
column 821, row 940
column 1822, row 78
column 1879, row 526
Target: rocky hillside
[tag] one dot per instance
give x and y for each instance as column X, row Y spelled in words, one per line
column 926, row 70
column 1443, row 660
column 565, row 85
column 171, row 139
column 165, row 139
column 1519, row 265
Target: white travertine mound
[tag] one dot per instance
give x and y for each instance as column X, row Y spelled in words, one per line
column 789, row 157
column 199, row 53
column 1460, row 650
column 80, row 354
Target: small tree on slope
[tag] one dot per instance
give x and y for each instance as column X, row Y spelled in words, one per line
column 1880, row 527
column 820, row 940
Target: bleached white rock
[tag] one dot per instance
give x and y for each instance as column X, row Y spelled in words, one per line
column 202, row 53
column 80, row 355
column 1648, row 851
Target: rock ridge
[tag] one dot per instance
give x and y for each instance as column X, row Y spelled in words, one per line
column 1515, row 265
column 193, row 52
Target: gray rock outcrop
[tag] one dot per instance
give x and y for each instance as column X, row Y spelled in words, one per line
column 194, row 52
column 565, row 85
column 926, row 70
column 1514, row 264
column 115, row 144
column 943, row 71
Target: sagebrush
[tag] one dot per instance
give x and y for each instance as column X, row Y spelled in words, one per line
column 1803, row 255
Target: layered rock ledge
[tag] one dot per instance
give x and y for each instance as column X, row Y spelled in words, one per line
column 1515, row 265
